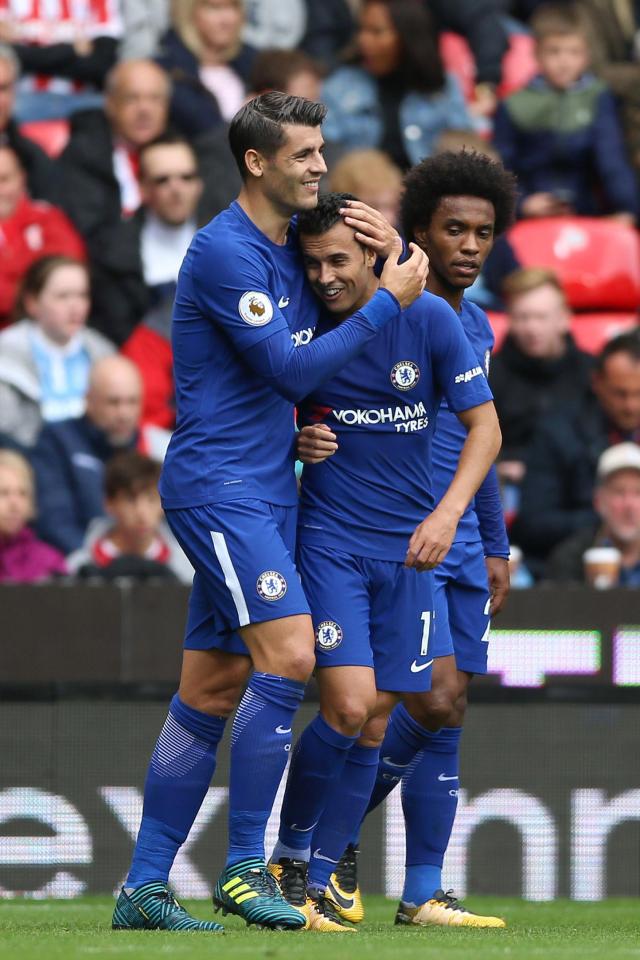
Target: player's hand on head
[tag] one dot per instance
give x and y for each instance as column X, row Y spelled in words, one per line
column 315, row 443
column 499, row 583
column 431, row 541
column 372, row 229
column 407, row 280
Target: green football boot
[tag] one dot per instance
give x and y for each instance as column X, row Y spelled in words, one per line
column 251, row 892
column 153, row 906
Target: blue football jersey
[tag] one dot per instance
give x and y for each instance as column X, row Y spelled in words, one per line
column 243, row 353
column 450, row 435
column 368, row 498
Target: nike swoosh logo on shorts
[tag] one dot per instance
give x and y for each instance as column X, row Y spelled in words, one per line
column 280, row 729
column 320, row 856
column 423, row 666
column 443, row 778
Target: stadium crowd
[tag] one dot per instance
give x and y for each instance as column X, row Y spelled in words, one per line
column 113, row 151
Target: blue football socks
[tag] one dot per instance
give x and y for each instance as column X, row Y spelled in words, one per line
column 180, row 772
column 260, row 745
column 343, row 813
column 317, row 762
column 403, row 740
column 429, row 802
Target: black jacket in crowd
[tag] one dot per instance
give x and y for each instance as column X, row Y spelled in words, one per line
column 526, row 389
column 42, row 183
column 557, row 491
column 90, row 190
column 565, row 563
column 480, row 22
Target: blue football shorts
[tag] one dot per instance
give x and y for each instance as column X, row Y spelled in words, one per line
column 461, row 603
column 370, row 613
column 242, row 553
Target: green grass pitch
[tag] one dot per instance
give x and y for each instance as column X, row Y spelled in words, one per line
column 79, row 930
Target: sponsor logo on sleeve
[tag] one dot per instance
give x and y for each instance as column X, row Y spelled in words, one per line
column 255, row 308
column 469, row 375
column 328, row 635
column 405, row 375
column 271, row 585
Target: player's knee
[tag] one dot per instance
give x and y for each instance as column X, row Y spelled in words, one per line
column 456, row 717
column 215, row 703
column 373, row 732
column 299, row 665
column 348, row 715
column 433, row 711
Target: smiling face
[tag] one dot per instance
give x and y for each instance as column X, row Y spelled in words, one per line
column 339, row 269
column 291, row 177
column 457, row 241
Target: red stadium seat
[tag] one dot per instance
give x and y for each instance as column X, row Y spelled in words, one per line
column 596, row 259
column 499, row 324
column 591, row 330
column 458, row 60
column 519, row 64
column 51, row 135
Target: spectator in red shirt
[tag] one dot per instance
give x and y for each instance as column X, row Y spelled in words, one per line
column 29, row 230
column 23, row 558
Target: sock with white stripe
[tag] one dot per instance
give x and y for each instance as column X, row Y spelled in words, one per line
column 431, row 788
column 260, row 745
column 180, row 772
column 316, row 763
column 345, row 807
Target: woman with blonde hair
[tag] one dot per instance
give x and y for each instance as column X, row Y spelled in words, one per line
column 207, row 61
column 23, row 558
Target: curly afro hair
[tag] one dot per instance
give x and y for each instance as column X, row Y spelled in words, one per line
column 464, row 173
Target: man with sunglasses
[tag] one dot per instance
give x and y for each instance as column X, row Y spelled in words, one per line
column 139, row 271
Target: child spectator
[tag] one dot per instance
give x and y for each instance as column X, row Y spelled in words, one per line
column 46, row 357
column 397, row 97
column 561, row 134
column 23, row 558
column 134, row 539
column 29, row 230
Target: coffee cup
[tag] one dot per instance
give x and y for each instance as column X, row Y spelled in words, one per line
column 515, row 559
column 602, row 567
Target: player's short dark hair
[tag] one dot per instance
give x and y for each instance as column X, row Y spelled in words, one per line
column 450, row 174
column 258, row 125
column 628, row 343
column 324, row 215
column 130, row 473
